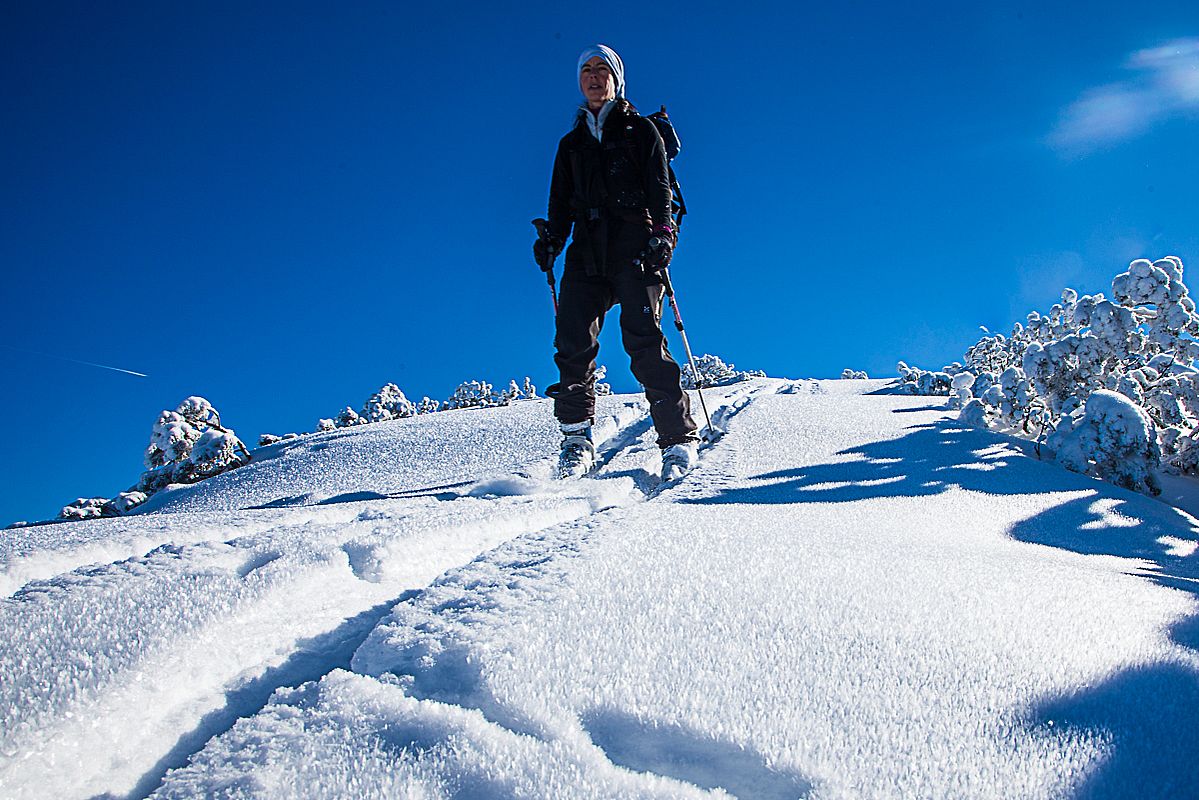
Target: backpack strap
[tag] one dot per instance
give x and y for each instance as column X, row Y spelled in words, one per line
column 677, row 199
column 670, row 140
column 670, row 137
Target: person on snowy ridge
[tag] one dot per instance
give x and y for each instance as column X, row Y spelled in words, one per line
column 611, row 188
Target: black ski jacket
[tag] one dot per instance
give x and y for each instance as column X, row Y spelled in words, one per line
column 612, row 194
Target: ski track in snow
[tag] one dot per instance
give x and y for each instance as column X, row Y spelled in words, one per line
column 489, row 633
column 243, row 602
column 636, row 653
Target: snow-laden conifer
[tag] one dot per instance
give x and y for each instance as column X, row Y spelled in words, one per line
column 214, row 452
column 391, row 403
column 975, row 414
column 171, row 440
column 914, row 380
column 83, row 508
column 387, row 403
column 1140, row 346
column 472, row 394
column 602, row 388
column 713, row 371
column 1112, row 438
column 514, row 392
column 348, row 418
column 268, row 439
column 188, row 445
column 511, row 394
column 199, row 412
column 962, row 384
column 124, row 502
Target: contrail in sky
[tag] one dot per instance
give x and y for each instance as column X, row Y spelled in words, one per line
column 75, row 361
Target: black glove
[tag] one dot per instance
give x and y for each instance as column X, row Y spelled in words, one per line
column 545, row 250
column 659, row 249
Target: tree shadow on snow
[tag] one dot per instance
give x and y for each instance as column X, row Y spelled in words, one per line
column 928, row 461
column 1148, row 716
column 674, row 752
column 1149, row 713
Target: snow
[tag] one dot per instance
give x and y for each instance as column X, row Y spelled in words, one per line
column 852, row 595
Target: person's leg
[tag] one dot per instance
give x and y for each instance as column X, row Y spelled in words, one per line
column 582, row 303
column 650, row 360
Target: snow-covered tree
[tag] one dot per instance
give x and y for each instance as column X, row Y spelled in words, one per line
column 83, row 508
column 849, row 374
column 188, row 445
column 914, row 380
column 171, row 440
column 215, row 452
column 177, row 433
column 199, row 412
column 124, row 502
column 601, row 388
column 387, row 403
column 962, row 384
column 472, row 394
column 1135, row 352
column 391, row 403
column 348, row 418
column 268, row 439
column 525, row 391
column 512, row 393
column 713, row 371
column 1112, row 438
column 1157, row 294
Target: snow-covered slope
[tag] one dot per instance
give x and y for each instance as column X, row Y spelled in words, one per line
column 850, row 597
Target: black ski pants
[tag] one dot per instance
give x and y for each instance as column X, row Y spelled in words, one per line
column 582, row 304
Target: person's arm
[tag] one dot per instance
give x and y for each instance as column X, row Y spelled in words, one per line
column 560, row 214
column 656, row 176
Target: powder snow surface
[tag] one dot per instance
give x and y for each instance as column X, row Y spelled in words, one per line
column 851, row 596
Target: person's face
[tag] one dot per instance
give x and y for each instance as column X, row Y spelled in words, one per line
column 597, row 83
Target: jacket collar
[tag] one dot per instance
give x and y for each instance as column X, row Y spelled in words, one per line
column 595, row 122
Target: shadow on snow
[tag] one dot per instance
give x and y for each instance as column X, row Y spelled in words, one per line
column 1149, row 713
column 928, row 461
column 691, row 757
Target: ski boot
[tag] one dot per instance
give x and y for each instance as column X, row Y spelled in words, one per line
column 577, row 456
column 678, row 459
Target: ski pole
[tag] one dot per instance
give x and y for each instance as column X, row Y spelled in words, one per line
column 678, row 323
column 543, row 233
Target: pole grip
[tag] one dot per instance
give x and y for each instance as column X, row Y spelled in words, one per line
column 542, row 227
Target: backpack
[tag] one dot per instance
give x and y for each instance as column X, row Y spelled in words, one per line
column 670, row 138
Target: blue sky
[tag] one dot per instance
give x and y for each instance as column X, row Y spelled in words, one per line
column 281, row 207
